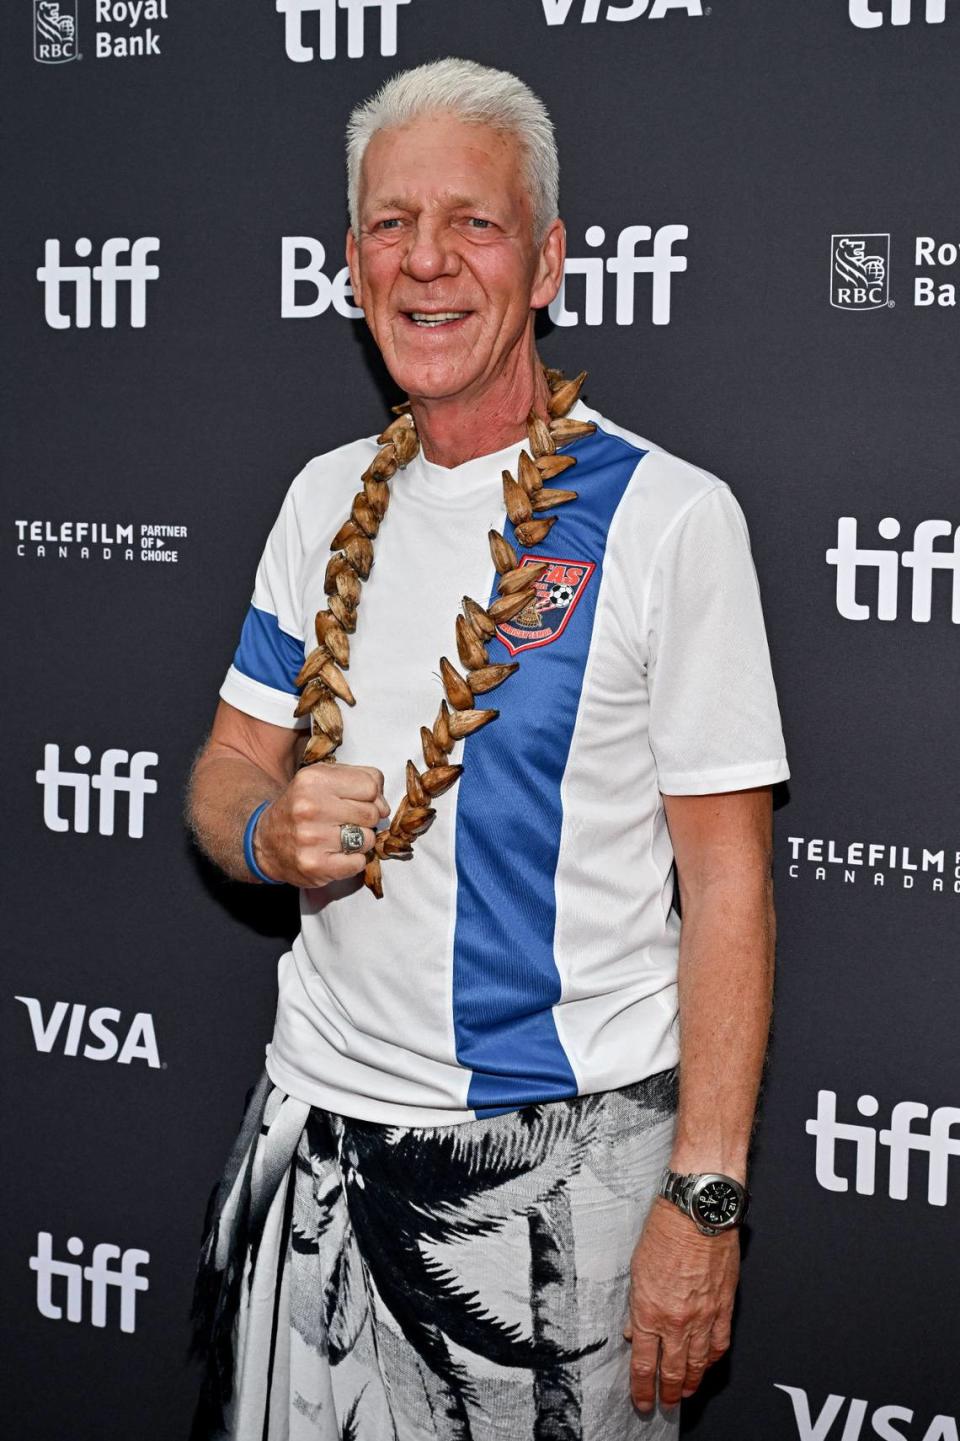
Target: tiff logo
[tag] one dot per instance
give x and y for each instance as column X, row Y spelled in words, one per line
column 326, row 13
column 139, row 1043
column 302, row 261
column 661, row 264
column 868, row 15
column 938, row 1142
column 109, row 274
column 100, row 1275
column 941, row 1428
column 136, row 784
column 556, row 11
column 54, row 31
column 922, row 560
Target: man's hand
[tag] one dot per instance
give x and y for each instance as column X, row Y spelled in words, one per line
column 297, row 839
column 682, row 1288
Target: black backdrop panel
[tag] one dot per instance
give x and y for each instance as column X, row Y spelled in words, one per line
column 175, row 151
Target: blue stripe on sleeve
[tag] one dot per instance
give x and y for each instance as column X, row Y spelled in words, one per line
column 268, row 654
column 509, row 823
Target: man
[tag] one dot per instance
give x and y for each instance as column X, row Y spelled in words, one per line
column 441, row 1217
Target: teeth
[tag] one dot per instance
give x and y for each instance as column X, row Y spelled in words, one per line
column 423, row 317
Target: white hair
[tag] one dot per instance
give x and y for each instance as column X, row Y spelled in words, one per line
column 471, row 92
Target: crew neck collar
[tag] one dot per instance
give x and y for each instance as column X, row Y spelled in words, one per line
column 458, row 480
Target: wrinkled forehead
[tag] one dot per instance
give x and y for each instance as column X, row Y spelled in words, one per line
column 440, row 161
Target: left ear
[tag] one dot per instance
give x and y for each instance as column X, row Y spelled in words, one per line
column 553, row 251
column 353, row 263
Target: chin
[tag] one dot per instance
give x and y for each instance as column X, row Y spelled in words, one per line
column 433, row 380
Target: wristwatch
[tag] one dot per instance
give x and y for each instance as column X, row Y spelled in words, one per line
column 713, row 1202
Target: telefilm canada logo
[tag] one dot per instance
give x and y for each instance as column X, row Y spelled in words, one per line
column 871, row 14
column 158, row 543
column 102, row 1034
column 913, row 1129
column 840, row 1419
column 71, row 1291
column 874, row 864
column 859, row 271
column 317, row 29
column 558, row 12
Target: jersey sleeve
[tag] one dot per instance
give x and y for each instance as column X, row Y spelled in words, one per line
column 261, row 678
column 714, row 718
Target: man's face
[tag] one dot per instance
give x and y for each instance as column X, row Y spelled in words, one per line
column 446, row 267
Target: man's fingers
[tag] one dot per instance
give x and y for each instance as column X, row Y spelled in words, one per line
column 359, row 783
column 328, row 839
column 719, row 1340
column 357, row 813
column 698, row 1361
column 673, row 1371
column 643, row 1369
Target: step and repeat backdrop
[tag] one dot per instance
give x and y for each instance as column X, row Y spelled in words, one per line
column 764, row 232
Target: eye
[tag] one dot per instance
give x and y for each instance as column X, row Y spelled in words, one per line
column 388, row 224
column 477, row 223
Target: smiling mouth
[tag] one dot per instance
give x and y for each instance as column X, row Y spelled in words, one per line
column 431, row 319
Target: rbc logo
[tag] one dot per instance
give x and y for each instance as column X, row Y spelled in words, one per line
column 326, row 13
column 110, row 273
column 859, row 271
column 99, row 1273
column 866, row 16
column 938, row 1141
column 302, row 263
column 107, row 782
column 661, row 264
column 54, row 31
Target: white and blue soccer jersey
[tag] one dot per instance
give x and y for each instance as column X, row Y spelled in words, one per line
column 528, row 950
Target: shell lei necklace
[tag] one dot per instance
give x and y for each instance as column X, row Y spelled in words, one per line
column 321, row 676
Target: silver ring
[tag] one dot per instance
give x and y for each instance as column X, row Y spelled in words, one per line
column 351, row 839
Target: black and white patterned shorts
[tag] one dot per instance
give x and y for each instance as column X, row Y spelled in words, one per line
column 362, row 1282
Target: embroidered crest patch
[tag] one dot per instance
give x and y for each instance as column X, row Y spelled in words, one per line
column 558, row 594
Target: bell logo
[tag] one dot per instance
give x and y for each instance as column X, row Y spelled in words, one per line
column 922, row 561
column 110, row 274
column 326, row 13
column 938, row 1142
column 101, row 1276
column 827, row 1426
column 868, row 14
column 139, row 1038
column 556, row 11
column 661, row 264
column 302, row 261
column 136, row 785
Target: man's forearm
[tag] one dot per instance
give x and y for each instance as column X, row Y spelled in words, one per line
column 224, row 791
column 726, row 987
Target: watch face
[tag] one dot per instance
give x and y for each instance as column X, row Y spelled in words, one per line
column 716, row 1204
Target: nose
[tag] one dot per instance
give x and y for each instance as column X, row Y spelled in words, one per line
column 430, row 253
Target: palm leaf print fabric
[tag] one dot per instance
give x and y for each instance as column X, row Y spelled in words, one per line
column 362, row 1282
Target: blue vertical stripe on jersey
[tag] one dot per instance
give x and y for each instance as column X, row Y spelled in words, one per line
column 268, row 654
column 509, row 820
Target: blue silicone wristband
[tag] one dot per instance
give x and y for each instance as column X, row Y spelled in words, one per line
column 248, row 855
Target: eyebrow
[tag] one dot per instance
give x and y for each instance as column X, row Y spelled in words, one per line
column 454, row 202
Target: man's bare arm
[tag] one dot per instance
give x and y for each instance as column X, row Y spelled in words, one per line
column 683, row 1283
column 246, row 761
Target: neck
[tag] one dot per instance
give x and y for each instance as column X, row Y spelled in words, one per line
column 462, row 427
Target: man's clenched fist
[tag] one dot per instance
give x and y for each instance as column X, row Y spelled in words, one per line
column 297, row 839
